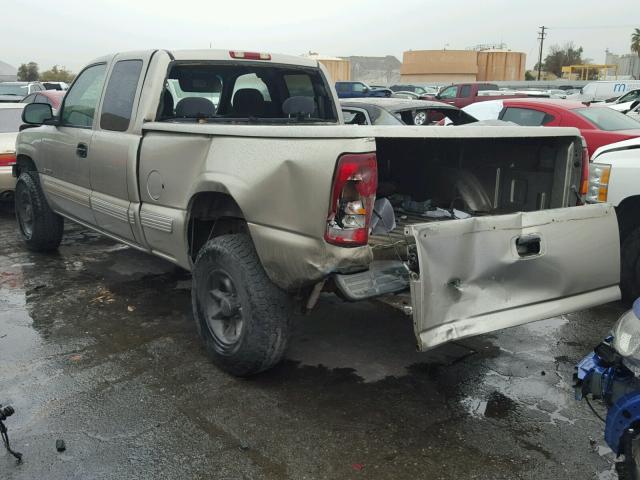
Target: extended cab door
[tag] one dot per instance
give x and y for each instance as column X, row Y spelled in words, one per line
column 114, row 195
column 487, row 273
column 65, row 179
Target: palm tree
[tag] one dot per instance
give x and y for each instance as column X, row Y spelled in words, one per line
column 635, row 41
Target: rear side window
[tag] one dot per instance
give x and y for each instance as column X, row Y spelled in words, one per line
column 118, row 98
column 465, row 91
column 526, row 117
column 299, row 85
column 608, row 119
column 487, row 86
column 81, row 101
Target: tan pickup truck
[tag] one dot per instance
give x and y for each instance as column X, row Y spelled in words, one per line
column 238, row 167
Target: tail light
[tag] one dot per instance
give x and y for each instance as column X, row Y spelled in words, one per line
column 353, row 194
column 584, row 178
column 7, row 159
column 250, row 55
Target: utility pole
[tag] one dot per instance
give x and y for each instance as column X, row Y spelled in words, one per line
column 541, row 35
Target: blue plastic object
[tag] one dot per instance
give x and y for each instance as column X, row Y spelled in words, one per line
column 622, row 415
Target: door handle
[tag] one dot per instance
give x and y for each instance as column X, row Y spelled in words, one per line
column 81, row 150
column 528, row 245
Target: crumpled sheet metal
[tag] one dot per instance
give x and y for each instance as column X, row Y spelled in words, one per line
column 473, row 280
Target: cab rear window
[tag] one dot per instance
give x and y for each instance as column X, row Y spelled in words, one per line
column 249, row 91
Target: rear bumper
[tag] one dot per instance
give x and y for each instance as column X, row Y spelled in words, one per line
column 7, row 180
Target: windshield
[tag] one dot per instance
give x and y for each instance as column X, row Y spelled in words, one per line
column 247, row 91
column 10, row 119
column 607, row 119
column 17, row 90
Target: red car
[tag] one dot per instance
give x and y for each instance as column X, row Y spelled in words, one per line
column 52, row 97
column 599, row 125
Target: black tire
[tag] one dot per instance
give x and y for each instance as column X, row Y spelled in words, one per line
column 242, row 316
column 630, row 267
column 40, row 228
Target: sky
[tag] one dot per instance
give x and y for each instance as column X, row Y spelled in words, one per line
column 73, row 32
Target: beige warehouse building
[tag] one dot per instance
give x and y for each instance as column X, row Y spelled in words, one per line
column 444, row 66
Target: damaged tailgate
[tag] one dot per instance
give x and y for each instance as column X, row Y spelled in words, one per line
column 482, row 274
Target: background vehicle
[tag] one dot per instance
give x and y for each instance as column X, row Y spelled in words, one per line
column 464, row 94
column 269, row 200
column 598, row 124
column 615, row 179
column 417, row 89
column 411, row 112
column 360, row 89
column 635, row 113
column 605, row 90
column 52, row 97
column 626, row 102
column 56, row 85
column 10, row 121
column 16, row 91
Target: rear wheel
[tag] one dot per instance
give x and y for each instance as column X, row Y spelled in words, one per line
column 630, row 266
column 241, row 315
column 40, row 228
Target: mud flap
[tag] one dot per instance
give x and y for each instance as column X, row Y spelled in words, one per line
column 483, row 274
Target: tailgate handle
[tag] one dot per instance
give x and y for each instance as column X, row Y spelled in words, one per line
column 528, row 245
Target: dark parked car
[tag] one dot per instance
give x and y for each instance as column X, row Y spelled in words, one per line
column 394, row 111
column 360, row 89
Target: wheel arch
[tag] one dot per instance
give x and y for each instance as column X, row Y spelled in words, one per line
column 211, row 214
column 628, row 218
column 24, row 163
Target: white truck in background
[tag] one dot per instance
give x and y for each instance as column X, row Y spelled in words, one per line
column 605, row 90
column 615, row 178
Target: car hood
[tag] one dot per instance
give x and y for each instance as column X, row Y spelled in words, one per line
column 623, row 145
column 8, row 142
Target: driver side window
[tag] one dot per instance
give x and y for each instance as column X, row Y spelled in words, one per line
column 449, row 92
column 82, row 100
column 358, row 87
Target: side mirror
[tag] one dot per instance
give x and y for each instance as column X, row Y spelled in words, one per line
column 37, row 113
column 365, row 90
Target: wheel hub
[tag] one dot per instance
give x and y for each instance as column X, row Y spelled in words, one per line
column 222, row 309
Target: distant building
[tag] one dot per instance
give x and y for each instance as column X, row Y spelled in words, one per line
column 383, row 71
column 628, row 64
column 444, row 66
column 339, row 68
column 370, row 70
column 8, row 73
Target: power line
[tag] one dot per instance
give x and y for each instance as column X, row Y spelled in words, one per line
column 592, row 27
column 541, row 37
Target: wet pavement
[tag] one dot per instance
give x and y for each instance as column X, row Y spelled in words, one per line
column 98, row 347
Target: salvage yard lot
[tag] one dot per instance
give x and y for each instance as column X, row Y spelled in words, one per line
column 100, row 349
